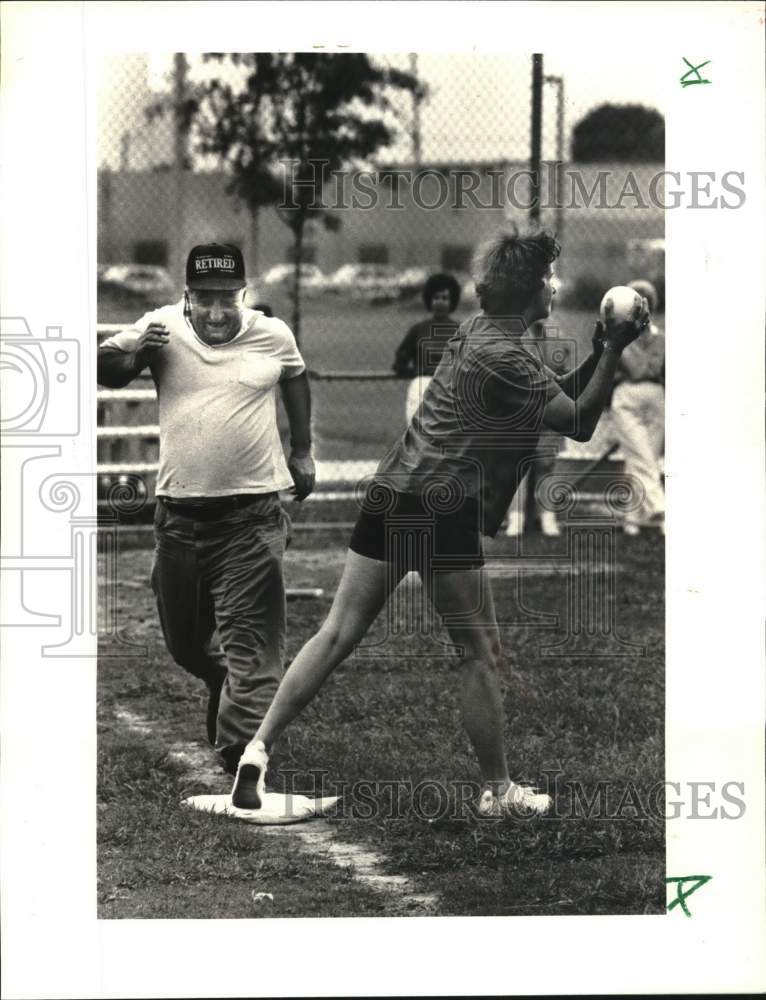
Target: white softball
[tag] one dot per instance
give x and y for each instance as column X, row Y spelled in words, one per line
column 625, row 301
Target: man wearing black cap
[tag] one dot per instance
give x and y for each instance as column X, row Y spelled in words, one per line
column 220, row 529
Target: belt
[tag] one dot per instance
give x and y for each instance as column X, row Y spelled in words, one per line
column 203, row 509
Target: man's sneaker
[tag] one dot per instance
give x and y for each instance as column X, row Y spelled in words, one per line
column 518, row 799
column 230, row 757
column 248, row 790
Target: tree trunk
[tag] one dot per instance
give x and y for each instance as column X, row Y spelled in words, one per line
column 252, row 248
column 298, row 260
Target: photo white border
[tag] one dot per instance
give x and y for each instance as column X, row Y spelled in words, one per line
column 53, row 945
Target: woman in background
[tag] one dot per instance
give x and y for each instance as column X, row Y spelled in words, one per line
column 419, row 354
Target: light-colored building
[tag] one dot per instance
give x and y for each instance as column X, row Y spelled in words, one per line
column 433, row 217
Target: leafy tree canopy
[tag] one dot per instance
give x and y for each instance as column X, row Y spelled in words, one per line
column 270, row 118
column 621, row 133
column 288, row 111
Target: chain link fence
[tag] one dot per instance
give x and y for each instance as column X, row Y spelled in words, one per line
column 446, row 166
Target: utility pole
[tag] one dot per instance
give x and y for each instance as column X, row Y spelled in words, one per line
column 530, row 507
column 180, row 153
column 411, row 255
column 416, row 101
column 536, row 137
column 558, row 81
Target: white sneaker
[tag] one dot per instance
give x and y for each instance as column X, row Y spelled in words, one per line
column 248, row 790
column 515, row 524
column 549, row 524
column 517, row 799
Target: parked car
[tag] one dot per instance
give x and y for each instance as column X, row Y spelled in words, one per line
column 257, row 299
column 252, row 295
column 468, row 296
column 148, row 280
column 646, row 257
column 313, row 278
column 410, row 281
column 372, row 281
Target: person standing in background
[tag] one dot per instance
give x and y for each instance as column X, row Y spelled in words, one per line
column 419, row 354
column 638, row 413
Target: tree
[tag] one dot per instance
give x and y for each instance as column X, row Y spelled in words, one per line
column 273, row 118
column 622, row 133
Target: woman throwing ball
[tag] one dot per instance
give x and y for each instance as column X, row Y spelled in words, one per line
column 446, row 482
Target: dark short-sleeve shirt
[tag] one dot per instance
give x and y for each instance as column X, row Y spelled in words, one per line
column 421, row 350
column 478, row 426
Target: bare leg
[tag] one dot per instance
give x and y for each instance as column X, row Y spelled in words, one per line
column 464, row 600
column 362, row 592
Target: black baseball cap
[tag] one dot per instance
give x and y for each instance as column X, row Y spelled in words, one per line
column 216, row 266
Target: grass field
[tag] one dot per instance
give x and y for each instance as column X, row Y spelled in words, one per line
column 578, row 726
column 386, row 727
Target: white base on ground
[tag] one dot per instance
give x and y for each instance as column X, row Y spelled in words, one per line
column 318, row 837
column 277, row 809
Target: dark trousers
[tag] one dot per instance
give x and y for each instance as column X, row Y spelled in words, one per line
column 225, row 575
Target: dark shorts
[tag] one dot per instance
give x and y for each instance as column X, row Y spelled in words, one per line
column 418, row 532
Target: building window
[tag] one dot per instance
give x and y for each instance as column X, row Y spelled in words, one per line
column 372, row 253
column 456, row 257
column 151, row 252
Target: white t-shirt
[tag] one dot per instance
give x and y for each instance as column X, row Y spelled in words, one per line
column 218, row 415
